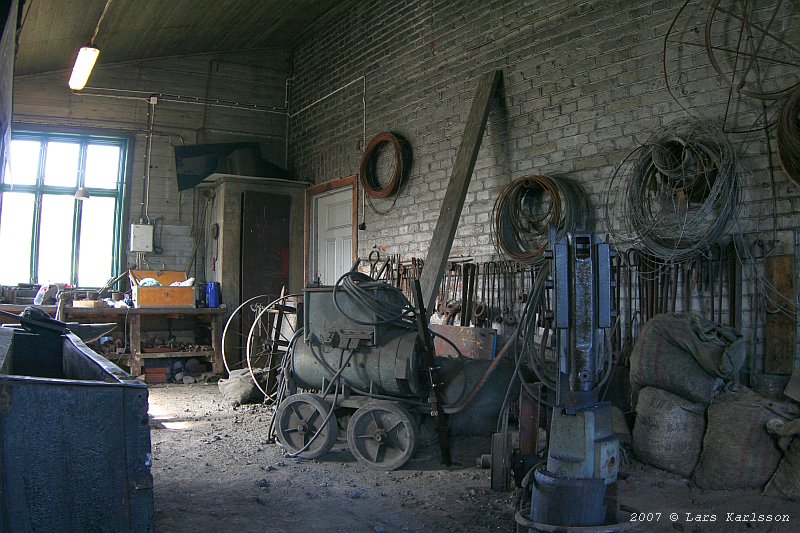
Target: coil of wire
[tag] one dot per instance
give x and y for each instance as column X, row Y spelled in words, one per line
column 788, row 134
column 526, row 209
column 677, row 194
column 369, row 162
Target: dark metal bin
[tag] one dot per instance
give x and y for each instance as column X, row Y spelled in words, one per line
column 74, row 439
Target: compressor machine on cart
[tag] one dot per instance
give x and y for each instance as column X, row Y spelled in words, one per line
column 367, row 351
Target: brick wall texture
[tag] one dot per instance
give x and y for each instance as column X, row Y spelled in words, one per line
column 583, row 84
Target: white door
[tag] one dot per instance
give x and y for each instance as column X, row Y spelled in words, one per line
column 333, row 235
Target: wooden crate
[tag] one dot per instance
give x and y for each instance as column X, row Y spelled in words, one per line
column 164, row 296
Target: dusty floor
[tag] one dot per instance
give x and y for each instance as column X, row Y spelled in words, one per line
column 214, row 471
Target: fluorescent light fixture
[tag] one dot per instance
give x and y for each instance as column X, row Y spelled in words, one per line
column 84, row 63
column 82, row 194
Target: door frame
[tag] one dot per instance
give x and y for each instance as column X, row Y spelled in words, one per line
column 311, row 193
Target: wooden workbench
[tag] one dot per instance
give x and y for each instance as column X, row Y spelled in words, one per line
column 132, row 319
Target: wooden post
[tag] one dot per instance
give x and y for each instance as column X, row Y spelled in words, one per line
column 450, row 213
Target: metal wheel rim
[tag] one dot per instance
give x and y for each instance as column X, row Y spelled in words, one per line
column 300, row 417
column 233, row 315
column 730, row 80
column 250, row 356
column 382, row 435
column 747, row 111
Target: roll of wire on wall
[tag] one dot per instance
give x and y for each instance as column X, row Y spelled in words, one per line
column 788, row 133
column 525, row 210
column 677, row 194
column 368, row 170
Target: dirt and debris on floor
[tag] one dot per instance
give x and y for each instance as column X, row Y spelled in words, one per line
column 214, row 470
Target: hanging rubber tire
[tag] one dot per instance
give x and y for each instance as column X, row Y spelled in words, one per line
column 301, row 418
column 382, row 435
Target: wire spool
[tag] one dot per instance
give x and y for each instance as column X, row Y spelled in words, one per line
column 788, row 134
column 369, row 166
column 676, row 194
column 528, row 207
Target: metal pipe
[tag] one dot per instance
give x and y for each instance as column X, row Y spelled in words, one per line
column 343, row 87
column 181, row 99
column 119, row 97
column 459, row 407
column 150, row 125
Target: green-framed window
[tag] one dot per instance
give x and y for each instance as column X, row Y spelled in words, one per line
column 46, row 234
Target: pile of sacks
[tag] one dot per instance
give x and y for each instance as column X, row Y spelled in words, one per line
column 693, row 419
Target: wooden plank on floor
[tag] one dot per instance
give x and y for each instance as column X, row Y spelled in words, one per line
column 450, row 213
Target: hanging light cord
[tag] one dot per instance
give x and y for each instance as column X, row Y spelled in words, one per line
column 102, row 16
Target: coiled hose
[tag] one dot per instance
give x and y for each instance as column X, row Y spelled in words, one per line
column 369, row 162
column 394, row 309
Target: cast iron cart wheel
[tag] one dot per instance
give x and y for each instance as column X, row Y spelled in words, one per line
column 382, row 435
column 300, row 417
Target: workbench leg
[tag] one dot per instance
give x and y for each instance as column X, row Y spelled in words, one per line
column 136, row 345
column 218, row 366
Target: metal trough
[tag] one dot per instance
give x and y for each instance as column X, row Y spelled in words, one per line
column 74, row 439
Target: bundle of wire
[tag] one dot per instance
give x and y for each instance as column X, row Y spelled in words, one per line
column 788, row 134
column 677, row 194
column 391, row 308
column 528, row 207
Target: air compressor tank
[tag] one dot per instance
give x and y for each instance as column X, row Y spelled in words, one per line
column 386, row 356
column 394, row 368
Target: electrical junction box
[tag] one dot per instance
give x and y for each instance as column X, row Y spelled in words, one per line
column 141, row 238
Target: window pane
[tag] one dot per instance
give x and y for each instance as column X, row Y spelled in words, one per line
column 61, row 165
column 95, row 256
column 55, row 239
column 16, row 227
column 24, row 162
column 102, row 166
